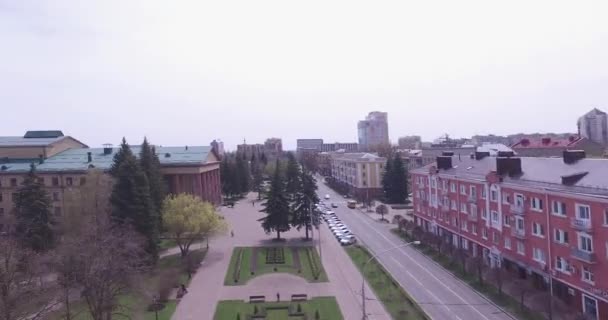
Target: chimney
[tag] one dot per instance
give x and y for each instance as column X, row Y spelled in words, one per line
column 90, row 157
column 107, row 148
column 444, row 162
column 481, row 154
column 186, row 147
column 508, row 166
column 40, row 159
column 572, row 156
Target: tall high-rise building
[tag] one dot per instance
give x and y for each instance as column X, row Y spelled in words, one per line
column 373, row 131
column 594, row 126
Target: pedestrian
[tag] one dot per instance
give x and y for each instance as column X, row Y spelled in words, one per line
column 184, row 290
column 232, row 233
column 253, row 203
column 278, row 297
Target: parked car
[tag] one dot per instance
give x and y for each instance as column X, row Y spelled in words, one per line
column 347, row 242
column 326, row 196
column 333, row 205
column 329, row 212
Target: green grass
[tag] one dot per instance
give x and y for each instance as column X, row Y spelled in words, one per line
column 489, row 290
column 167, row 244
column 396, row 301
column 262, row 268
column 327, row 306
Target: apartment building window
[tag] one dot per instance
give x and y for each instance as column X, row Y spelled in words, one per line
column 473, row 211
column 560, row 236
column 455, row 222
column 536, row 204
column 13, row 182
column 519, row 200
column 444, row 185
column 519, row 223
column 483, row 193
column 453, row 205
column 521, row 249
column 495, row 217
column 538, row 255
column 55, row 196
column 538, row 229
column 452, row 187
column 606, row 217
column 583, row 212
column 484, row 233
column 464, row 226
column 506, row 198
column 465, row 244
column 417, row 194
column 508, row 243
column 587, row 275
column 474, row 229
column 585, row 242
column 558, row 208
column 561, row 264
column 473, row 192
column 484, row 214
column 69, row 181
column 58, row 211
column 55, row 181
column 1, row 212
column 422, row 195
column 495, row 237
column 0, row 197
column 434, row 214
column 506, row 220
column 463, row 190
column 446, row 202
column 494, row 195
column 14, row 196
column 463, row 207
column 433, row 183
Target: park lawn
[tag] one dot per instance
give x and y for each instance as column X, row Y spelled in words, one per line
column 167, row 244
column 327, row 306
column 396, row 301
column 262, row 268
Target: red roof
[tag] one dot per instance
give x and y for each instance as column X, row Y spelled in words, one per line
column 547, row 142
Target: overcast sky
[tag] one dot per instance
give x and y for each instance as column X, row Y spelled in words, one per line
column 186, row 72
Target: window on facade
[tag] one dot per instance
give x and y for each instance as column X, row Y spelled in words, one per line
column 57, row 211
column 521, row 249
column 583, row 212
column 0, row 197
column 463, row 190
column 452, row 187
column 495, row 217
column 473, row 192
column 519, row 223
column 453, row 205
column 508, row 243
column 506, row 199
column 444, row 185
column 422, row 195
column 55, row 181
column 474, row 228
column 561, row 264
column 55, row 196
column 69, row 181
column 560, row 236
column 558, row 208
column 606, row 217
column 464, row 226
column 495, row 237
column 14, row 196
column 13, row 182
column 484, row 233
column 473, row 211
column 538, row 255
column 585, row 242
column 587, row 275
column 536, row 204
column 465, row 244
column 463, row 207
column 446, row 202
column 494, row 195
column 506, row 220
column 454, row 222
column 483, row 192
column 1, row 212
column 519, row 200
column 433, row 183
column 538, row 229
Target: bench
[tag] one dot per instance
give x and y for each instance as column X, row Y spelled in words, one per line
column 257, row 299
column 299, row 297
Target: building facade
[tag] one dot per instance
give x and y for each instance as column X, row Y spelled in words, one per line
column 373, row 131
column 360, row 173
column 554, row 147
column 542, row 219
column 594, row 126
column 410, row 142
column 309, row 144
column 337, row 146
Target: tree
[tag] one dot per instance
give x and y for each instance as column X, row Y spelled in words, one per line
column 292, row 176
column 304, row 203
column 263, row 159
column 382, row 210
column 34, row 223
column 227, row 178
column 243, row 175
column 150, row 164
column 276, row 206
column 399, row 184
column 387, row 186
column 130, row 199
column 256, row 172
column 188, row 218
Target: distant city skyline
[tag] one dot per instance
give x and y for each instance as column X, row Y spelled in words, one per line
column 196, row 71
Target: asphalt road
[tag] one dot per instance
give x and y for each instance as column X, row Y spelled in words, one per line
column 438, row 292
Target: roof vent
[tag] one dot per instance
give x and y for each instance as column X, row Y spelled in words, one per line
column 40, row 159
column 91, row 166
column 572, row 179
column 186, row 147
column 444, row 162
column 572, row 156
column 508, row 166
column 89, row 157
column 107, row 148
column 3, row 168
column 167, row 155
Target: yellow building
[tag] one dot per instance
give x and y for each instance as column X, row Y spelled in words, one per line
column 361, row 173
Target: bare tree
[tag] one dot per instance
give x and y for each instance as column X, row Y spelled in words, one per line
column 382, row 210
column 23, row 293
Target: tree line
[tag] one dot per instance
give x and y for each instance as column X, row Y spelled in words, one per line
column 291, row 199
column 394, row 180
column 241, row 174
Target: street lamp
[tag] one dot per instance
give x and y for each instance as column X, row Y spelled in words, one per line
column 363, row 310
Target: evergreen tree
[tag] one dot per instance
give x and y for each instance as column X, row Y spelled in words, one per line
column 264, row 159
column 130, row 198
column 292, row 176
column 123, row 152
column 398, row 185
column 241, row 168
column 256, row 173
column 387, row 179
column 34, row 223
column 150, row 164
column 276, row 206
column 304, row 203
column 226, row 174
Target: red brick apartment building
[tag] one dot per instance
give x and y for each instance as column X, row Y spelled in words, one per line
column 541, row 218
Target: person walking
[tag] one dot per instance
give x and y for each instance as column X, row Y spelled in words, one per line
column 278, row 297
column 232, row 233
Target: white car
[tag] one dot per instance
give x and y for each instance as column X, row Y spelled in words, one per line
column 329, row 212
column 326, row 196
column 347, row 242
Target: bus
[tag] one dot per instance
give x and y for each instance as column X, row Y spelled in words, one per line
column 351, row 204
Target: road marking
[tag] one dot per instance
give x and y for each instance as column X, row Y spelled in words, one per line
column 424, row 269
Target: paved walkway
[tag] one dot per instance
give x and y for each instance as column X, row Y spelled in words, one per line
column 207, row 288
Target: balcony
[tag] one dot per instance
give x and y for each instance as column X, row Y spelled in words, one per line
column 581, row 224
column 584, row 256
column 472, row 217
column 472, row 198
column 518, row 233
column 517, row 209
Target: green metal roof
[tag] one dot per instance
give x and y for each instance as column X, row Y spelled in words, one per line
column 43, row 134
column 77, row 159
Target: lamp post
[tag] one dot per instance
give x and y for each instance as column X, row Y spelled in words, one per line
column 363, row 309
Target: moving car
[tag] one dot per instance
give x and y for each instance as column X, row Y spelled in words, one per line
column 333, row 205
column 351, row 204
column 326, row 196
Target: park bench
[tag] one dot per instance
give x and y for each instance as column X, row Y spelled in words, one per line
column 299, row 297
column 257, row 299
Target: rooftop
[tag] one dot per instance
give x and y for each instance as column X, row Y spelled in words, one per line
column 547, row 142
column 77, row 159
column 358, row 156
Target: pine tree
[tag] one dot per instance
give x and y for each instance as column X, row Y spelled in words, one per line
column 150, row 164
column 34, row 223
column 226, row 174
column 292, row 176
column 398, row 192
column 304, row 203
column 241, row 168
column 387, row 186
column 130, row 199
column 264, row 159
column 123, row 152
column 276, row 206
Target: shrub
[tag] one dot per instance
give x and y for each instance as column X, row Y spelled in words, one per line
column 238, row 316
column 299, row 308
column 317, row 315
column 237, row 270
column 255, row 309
